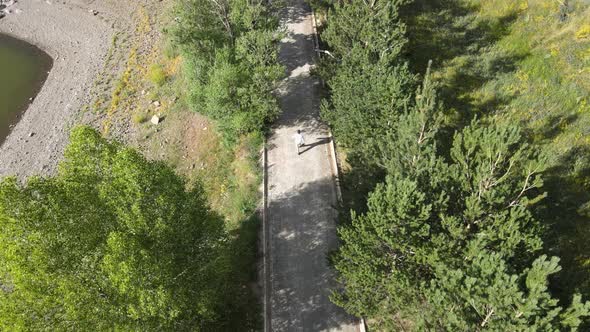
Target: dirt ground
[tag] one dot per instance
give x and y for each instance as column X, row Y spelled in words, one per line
column 101, row 52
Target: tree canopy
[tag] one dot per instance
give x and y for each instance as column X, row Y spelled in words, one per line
column 452, row 244
column 231, row 61
column 449, row 238
column 113, row 241
column 369, row 82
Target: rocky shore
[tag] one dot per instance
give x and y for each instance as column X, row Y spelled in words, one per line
column 77, row 34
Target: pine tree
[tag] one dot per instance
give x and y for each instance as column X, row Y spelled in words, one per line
column 369, row 82
column 372, row 26
column 451, row 244
column 484, row 296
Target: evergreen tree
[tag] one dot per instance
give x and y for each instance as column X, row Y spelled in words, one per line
column 372, row 26
column 112, row 242
column 451, row 244
column 365, row 101
column 368, row 81
column 484, row 295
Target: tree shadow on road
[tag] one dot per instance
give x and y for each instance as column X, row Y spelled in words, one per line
column 302, row 227
column 301, row 221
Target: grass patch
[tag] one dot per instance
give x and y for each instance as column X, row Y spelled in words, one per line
column 157, row 75
column 583, row 32
column 230, row 177
column 139, row 117
column 121, row 92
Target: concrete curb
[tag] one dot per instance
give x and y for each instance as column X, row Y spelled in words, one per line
column 335, row 168
column 316, row 40
column 265, row 244
column 334, row 160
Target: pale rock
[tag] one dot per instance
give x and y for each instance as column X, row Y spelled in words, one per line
column 155, row 119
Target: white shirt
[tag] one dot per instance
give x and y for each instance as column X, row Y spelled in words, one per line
column 299, row 139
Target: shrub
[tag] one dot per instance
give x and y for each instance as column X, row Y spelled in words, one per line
column 139, row 117
column 583, row 32
column 157, row 75
column 231, row 74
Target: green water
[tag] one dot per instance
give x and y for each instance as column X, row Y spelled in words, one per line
column 23, row 70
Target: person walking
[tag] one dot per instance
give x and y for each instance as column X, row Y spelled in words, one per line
column 299, row 141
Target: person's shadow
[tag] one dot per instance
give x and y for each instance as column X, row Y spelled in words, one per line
column 319, row 141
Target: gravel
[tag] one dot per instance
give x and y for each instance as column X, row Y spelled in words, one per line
column 77, row 35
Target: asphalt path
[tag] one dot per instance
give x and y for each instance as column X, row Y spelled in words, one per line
column 301, row 201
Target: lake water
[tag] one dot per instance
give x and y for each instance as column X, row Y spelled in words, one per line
column 23, row 70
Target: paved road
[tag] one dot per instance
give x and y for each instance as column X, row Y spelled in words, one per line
column 301, row 194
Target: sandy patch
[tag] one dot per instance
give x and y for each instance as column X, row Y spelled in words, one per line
column 78, row 40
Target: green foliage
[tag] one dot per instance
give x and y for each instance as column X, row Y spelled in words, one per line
column 139, row 117
column 369, row 83
column 201, row 28
column 452, row 240
column 112, row 242
column 238, row 97
column 372, row 27
column 486, row 296
column 231, row 177
column 231, row 61
column 230, row 56
column 157, row 75
column 453, row 237
column 521, row 62
column 361, row 112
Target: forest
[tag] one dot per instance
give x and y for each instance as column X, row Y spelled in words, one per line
column 462, row 132
column 462, row 137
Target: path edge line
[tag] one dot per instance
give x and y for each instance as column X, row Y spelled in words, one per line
column 265, row 243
